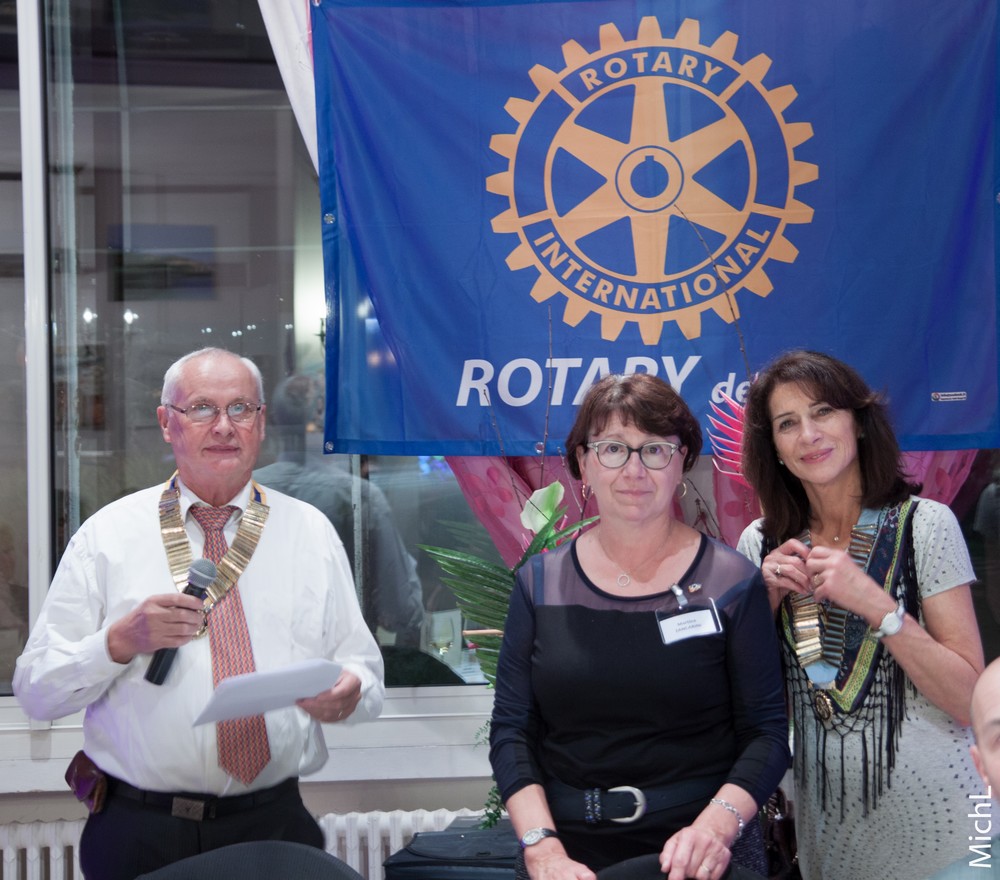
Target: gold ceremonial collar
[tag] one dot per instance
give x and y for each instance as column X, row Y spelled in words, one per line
column 237, row 557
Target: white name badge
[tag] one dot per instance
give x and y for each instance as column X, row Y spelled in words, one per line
column 689, row 624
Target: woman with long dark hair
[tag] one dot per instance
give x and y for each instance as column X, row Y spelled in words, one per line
column 879, row 638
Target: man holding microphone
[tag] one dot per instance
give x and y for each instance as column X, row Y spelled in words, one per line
column 159, row 788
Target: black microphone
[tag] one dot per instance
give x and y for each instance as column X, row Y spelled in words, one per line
column 200, row 577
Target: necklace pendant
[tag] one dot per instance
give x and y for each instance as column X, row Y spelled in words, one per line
column 624, row 580
column 823, row 705
column 204, row 623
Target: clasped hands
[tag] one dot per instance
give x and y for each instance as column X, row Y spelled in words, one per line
column 827, row 573
column 693, row 852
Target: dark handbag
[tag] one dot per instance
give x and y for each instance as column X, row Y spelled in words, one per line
column 471, row 854
column 778, row 825
column 88, row 782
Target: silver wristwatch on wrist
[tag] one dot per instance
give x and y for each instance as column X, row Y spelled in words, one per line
column 536, row 835
column 892, row 623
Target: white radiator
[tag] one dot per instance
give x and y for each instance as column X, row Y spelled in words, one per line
column 48, row 850
column 365, row 840
column 40, row 850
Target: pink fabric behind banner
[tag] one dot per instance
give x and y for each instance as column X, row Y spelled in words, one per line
column 942, row 473
column 496, row 489
column 736, row 506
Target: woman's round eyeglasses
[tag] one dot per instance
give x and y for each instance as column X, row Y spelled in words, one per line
column 201, row 413
column 655, row 455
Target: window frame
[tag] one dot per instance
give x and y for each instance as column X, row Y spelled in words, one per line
column 426, row 733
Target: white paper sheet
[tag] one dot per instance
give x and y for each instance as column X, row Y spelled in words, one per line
column 257, row 692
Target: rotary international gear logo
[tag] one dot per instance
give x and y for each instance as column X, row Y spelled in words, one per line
column 651, row 180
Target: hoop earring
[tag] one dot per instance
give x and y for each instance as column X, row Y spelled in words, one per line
column 684, row 486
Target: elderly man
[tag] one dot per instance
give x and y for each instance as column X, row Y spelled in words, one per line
column 160, row 788
column 982, row 816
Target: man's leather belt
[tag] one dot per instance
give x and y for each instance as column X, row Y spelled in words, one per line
column 622, row 803
column 199, row 807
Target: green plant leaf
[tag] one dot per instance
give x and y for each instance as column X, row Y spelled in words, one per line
column 482, row 587
column 542, row 506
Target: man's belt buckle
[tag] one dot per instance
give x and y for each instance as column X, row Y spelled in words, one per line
column 187, row 808
column 640, row 803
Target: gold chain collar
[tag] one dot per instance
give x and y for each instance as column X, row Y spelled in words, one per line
column 237, row 557
column 819, row 630
column 813, row 641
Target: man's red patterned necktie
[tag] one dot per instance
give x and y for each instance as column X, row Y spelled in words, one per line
column 243, row 747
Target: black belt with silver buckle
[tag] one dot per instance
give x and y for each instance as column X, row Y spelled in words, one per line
column 623, row 803
column 198, row 807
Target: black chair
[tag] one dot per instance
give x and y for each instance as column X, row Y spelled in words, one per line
column 648, row 868
column 258, row 860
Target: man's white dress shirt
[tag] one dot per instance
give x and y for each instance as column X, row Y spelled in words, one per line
column 299, row 600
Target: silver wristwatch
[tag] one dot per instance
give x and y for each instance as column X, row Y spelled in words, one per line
column 536, row 835
column 892, row 623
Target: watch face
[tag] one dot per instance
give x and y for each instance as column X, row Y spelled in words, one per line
column 535, row 835
column 893, row 624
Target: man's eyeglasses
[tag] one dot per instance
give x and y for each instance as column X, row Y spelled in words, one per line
column 655, row 455
column 202, row 413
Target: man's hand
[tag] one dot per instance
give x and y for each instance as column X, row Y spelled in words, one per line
column 337, row 703
column 165, row 621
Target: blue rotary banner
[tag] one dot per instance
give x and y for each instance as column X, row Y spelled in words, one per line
column 519, row 197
